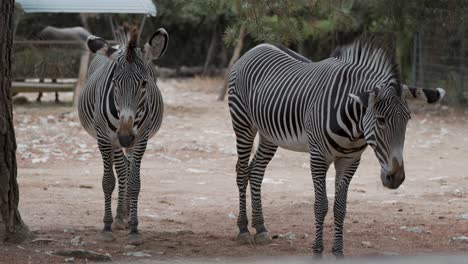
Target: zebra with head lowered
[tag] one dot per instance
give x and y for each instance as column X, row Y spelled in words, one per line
column 332, row 109
column 122, row 107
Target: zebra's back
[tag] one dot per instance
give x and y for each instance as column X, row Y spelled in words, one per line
column 278, row 91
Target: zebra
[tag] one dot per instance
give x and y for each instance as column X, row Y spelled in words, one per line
column 332, row 109
column 122, row 107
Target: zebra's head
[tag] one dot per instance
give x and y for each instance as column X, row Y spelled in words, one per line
column 131, row 76
column 384, row 125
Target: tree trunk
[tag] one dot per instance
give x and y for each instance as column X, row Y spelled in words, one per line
column 14, row 229
column 234, row 58
column 211, row 49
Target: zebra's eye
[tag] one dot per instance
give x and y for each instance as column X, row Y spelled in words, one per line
column 143, row 83
column 380, row 120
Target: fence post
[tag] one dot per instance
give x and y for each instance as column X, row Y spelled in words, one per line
column 81, row 77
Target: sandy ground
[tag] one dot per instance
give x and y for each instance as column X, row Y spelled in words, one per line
column 188, row 203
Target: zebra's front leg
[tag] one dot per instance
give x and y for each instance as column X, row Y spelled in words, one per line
column 122, row 168
column 345, row 169
column 319, row 167
column 108, row 185
column 265, row 152
column 133, row 191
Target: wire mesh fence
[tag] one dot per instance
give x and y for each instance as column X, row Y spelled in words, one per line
column 440, row 54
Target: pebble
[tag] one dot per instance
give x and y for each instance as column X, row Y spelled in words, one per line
column 461, row 239
column 367, row 244
column 137, row 254
column 289, row 235
column 415, row 229
column 129, row 247
column 464, row 216
column 70, row 260
column 458, row 192
column 77, row 241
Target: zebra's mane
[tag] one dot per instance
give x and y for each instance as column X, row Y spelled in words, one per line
column 128, row 36
column 370, row 51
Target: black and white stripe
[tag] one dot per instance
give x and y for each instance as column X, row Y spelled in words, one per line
column 331, row 109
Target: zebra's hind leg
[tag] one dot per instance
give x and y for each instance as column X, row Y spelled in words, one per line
column 244, row 148
column 108, row 185
column 345, row 169
column 319, row 167
column 122, row 167
column 265, row 152
column 245, row 136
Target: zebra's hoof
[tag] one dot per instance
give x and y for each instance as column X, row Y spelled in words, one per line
column 135, row 239
column 107, row 236
column 338, row 255
column 244, row 238
column 262, row 238
column 119, row 224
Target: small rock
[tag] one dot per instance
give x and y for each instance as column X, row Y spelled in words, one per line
column 70, row 260
column 137, row 254
column 129, row 247
column 415, row 229
column 458, row 192
column 231, row 216
column 305, row 236
column 77, row 241
column 289, row 235
column 69, row 230
column 464, row 216
column 461, row 239
column 442, row 217
column 367, row 244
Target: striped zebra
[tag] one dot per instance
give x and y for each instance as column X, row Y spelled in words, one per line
column 332, row 109
column 121, row 106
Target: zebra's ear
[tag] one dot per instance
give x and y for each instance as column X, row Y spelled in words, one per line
column 157, row 45
column 428, row 95
column 366, row 98
column 100, row 46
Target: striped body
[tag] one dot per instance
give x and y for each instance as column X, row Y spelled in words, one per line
column 300, row 89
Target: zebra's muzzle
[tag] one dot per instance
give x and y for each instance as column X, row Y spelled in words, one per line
column 126, row 140
column 125, row 132
column 394, row 179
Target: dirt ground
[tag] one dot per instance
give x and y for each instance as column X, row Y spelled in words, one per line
column 189, row 200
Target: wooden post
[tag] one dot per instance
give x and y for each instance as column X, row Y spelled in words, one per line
column 82, row 74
